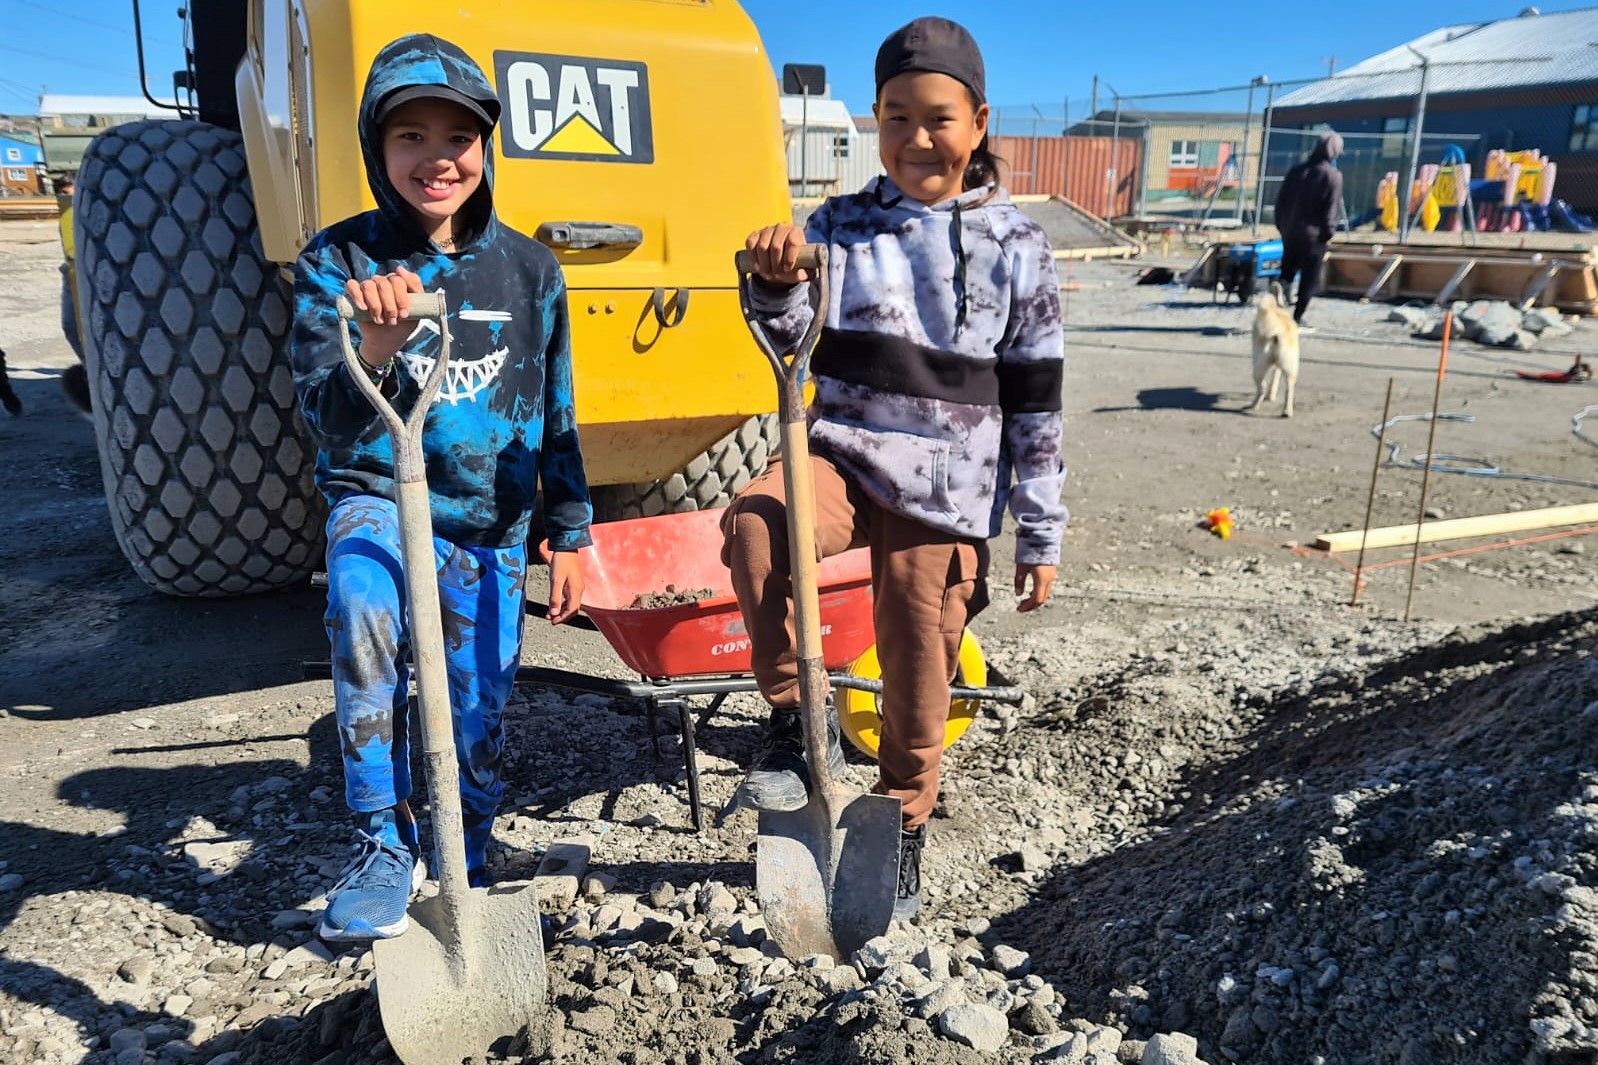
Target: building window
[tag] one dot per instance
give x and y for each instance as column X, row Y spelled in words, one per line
column 1184, row 153
column 16, row 173
column 1584, row 129
column 1395, row 131
column 840, row 146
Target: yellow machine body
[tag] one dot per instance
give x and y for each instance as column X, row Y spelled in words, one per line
column 655, row 114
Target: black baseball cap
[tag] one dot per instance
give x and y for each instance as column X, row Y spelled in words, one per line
column 486, row 112
column 937, row 46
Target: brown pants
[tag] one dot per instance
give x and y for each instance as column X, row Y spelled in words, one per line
column 927, row 584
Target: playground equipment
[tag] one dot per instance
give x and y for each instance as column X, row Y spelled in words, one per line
column 1516, row 195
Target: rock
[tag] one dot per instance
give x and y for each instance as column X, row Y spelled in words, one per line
column 293, row 920
column 1415, row 318
column 1544, row 321
column 1033, row 1019
column 176, row 1005
column 136, row 970
column 595, row 1021
column 1104, row 1040
column 839, row 980
column 665, row 983
column 935, row 960
column 978, row 1027
column 275, row 970
column 747, row 930
column 10, row 882
column 879, row 953
column 227, row 1057
column 1011, row 962
column 661, row 894
column 125, row 1039
column 560, row 872
column 1494, row 323
column 597, row 885
column 714, row 899
column 1033, row 859
column 941, row 996
column 219, row 857
column 312, row 952
column 1172, row 1048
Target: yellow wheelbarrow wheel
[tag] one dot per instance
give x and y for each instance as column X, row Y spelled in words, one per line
column 860, row 713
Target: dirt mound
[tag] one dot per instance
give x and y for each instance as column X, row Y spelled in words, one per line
column 1395, row 865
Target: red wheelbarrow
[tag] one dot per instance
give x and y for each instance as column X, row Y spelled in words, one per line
column 690, row 650
column 700, row 648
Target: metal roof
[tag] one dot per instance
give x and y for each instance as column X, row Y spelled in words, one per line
column 1512, row 53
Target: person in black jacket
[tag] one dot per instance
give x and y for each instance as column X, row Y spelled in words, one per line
column 1306, row 215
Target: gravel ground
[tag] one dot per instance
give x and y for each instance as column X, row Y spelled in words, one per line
column 1236, row 820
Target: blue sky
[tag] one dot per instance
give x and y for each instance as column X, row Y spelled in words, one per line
column 1037, row 51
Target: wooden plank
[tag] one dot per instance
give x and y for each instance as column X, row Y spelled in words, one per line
column 1381, row 278
column 1459, row 528
column 1528, row 298
column 1447, row 293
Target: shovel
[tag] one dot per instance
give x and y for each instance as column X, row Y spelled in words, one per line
column 469, row 972
column 827, row 873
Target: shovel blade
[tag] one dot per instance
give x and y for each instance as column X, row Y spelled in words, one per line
column 448, row 993
column 828, row 874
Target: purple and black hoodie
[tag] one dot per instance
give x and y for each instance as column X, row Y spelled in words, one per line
column 938, row 371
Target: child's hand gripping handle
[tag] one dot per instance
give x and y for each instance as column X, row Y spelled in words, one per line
column 423, row 305
column 406, row 433
column 790, row 367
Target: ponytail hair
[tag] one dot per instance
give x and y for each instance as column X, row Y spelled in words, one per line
column 983, row 169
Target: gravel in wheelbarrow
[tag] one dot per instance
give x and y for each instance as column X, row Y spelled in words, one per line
column 633, row 562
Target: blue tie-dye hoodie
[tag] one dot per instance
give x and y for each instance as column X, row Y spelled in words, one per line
column 938, row 372
column 504, row 419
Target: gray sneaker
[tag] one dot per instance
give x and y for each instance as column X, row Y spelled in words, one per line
column 779, row 779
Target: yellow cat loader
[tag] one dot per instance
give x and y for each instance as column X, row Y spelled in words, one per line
column 640, row 140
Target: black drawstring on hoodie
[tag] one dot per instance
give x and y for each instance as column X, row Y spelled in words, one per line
column 959, row 271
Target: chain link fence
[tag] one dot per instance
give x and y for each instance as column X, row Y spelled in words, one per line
column 1486, row 145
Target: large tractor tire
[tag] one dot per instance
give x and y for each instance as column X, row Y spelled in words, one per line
column 207, row 471
column 711, row 480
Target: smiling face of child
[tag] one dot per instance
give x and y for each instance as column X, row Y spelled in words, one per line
column 929, row 129
column 433, row 155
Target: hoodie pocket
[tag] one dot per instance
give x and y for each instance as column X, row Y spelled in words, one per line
column 907, row 473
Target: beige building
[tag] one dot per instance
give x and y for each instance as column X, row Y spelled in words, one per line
column 69, row 123
column 1187, row 152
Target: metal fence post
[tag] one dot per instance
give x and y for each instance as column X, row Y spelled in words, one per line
column 1115, row 158
column 1404, row 221
column 1265, row 156
column 1242, row 166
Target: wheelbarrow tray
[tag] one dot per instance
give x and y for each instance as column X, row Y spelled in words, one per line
column 642, row 556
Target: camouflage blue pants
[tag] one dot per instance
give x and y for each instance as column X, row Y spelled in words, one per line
column 481, row 598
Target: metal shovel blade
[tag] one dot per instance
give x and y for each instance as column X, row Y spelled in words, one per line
column 447, row 993
column 828, row 873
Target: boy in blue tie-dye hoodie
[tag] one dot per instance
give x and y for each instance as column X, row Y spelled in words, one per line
column 503, row 422
column 937, row 385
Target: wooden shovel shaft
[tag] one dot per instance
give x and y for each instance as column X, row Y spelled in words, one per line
column 791, row 369
column 421, row 589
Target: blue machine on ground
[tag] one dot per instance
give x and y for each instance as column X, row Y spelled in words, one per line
column 1244, row 269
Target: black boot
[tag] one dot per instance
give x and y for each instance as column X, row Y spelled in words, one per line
column 779, row 779
column 908, row 904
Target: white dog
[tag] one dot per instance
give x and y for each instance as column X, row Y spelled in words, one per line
column 1275, row 349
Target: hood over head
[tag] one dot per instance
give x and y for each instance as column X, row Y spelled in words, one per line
column 1328, row 148
column 414, row 66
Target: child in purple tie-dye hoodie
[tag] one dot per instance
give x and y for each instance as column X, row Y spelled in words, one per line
column 937, row 404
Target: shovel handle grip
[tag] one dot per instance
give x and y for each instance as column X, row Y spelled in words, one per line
column 406, row 431
column 423, row 305
column 809, row 259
